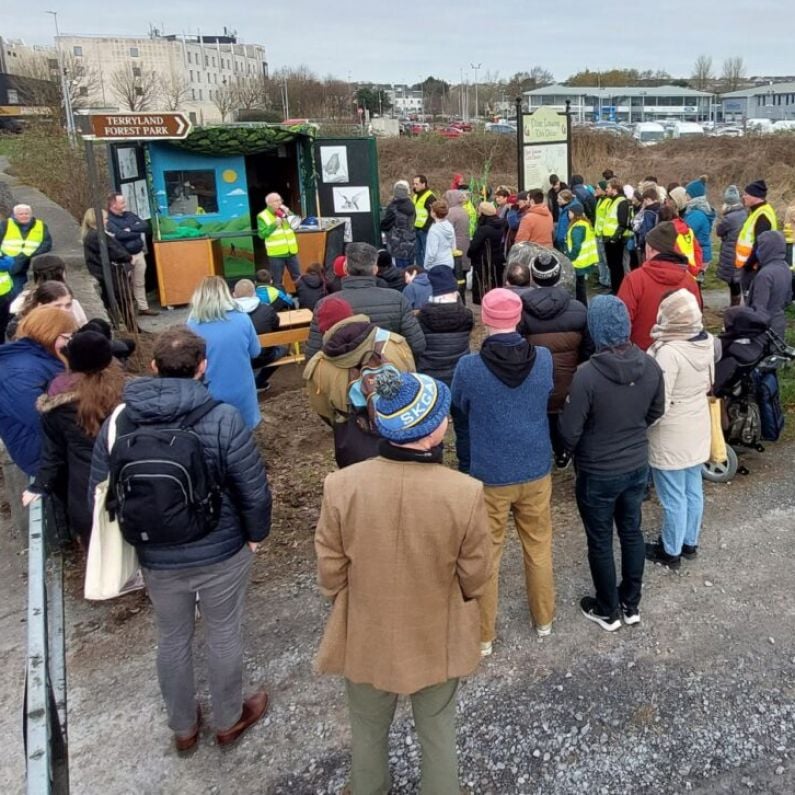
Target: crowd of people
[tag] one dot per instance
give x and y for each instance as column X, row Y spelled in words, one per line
column 408, row 548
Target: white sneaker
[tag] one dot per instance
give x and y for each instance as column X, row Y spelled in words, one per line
column 544, row 630
column 486, row 649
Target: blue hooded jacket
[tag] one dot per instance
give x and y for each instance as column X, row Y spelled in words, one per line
column 26, row 368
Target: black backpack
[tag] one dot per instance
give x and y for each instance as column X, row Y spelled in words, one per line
column 161, row 490
column 770, row 411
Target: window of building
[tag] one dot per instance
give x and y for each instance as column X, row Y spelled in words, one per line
column 198, row 77
column 193, row 94
column 82, row 91
column 139, row 91
column 201, row 97
column 77, row 51
column 133, row 52
column 206, row 60
column 13, row 96
column 191, row 75
column 136, row 70
column 191, row 192
column 213, row 61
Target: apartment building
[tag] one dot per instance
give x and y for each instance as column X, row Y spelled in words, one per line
column 189, row 70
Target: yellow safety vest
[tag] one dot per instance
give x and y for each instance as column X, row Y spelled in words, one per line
column 602, row 207
column 282, row 241
column 610, row 222
column 473, row 216
column 420, row 210
column 6, row 283
column 14, row 244
column 747, row 237
column 589, row 253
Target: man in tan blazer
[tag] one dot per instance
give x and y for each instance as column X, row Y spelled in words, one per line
column 403, row 550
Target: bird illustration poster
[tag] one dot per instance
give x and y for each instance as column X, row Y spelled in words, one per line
column 334, row 163
column 351, row 199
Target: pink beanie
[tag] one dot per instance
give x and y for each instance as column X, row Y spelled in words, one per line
column 501, row 308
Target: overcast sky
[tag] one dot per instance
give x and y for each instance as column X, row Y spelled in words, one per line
column 386, row 41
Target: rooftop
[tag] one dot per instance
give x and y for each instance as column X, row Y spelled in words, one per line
column 613, row 91
column 776, row 88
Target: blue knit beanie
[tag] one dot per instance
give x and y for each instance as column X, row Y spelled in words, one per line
column 608, row 321
column 409, row 406
column 695, row 189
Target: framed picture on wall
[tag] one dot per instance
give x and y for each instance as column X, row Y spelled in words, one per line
column 128, row 162
column 334, row 164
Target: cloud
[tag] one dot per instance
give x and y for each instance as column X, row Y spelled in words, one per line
column 237, row 192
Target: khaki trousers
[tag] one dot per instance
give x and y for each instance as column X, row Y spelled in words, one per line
column 371, row 713
column 139, row 280
column 529, row 503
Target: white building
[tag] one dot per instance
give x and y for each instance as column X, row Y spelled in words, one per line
column 775, row 101
column 405, row 101
column 625, row 103
column 193, row 69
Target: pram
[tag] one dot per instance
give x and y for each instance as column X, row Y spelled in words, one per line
column 749, row 348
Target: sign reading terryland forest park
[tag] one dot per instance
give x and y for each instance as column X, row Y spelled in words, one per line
column 140, row 126
column 545, row 126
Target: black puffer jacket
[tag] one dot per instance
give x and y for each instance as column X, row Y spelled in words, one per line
column 66, row 450
column 311, row 288
column 447, row 328
column 552, row 319
column 93, row 258
column 386, row 308
column 393, row 276
column 398, row 223
column 489, row 232
column 229, row 449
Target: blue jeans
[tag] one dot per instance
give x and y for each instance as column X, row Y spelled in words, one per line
column 681, row 493
column 419, row 246
column 602, row 500
column 277, row 265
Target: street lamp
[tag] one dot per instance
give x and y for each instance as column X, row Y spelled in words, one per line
column 475, row 67
column 67, row 100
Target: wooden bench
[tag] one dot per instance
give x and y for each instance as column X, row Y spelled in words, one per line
column 293, row 330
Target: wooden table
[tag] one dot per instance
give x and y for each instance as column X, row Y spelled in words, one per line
column 294, row 317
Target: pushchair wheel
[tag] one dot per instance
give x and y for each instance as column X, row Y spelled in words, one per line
column 722, row 472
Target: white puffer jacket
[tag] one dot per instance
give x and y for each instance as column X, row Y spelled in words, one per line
column 681, row 437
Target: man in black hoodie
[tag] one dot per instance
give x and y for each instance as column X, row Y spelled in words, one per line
column 771, row 289
column 613, row 399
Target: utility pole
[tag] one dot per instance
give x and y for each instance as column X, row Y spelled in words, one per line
column 67, row 100
column 475, row 67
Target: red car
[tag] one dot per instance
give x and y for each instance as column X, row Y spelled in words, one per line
column 450, row 132
column 464, row 126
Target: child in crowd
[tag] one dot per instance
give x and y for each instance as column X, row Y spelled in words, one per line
column 441, row 238
column 418, row 287
column 268, row 294
column 392, row 275
column 311, row 287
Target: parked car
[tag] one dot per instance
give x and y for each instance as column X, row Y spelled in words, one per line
column 648, row 133
column 500, row 129
column 729, row 132
column 688, row 129
column 450, row 132
column 464, row 126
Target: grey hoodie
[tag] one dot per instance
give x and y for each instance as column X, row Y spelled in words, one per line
column 771, row 289
column 613, row 399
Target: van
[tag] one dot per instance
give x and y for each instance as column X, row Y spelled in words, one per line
column 784, row 125
column 647, row 133
column 688, row 129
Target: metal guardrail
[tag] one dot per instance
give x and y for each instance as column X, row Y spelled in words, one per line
column 45, row 723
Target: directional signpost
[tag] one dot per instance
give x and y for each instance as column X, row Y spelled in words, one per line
column 140, row 126
column 119, row 127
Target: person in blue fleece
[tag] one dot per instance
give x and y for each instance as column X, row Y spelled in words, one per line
column 502, row 393
column 700, row 216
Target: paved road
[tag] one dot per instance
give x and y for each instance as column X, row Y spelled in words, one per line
column 698, row 698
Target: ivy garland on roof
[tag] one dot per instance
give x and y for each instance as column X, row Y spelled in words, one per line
column 226, row 140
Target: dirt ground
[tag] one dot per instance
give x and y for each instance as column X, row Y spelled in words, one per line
column 698, row 698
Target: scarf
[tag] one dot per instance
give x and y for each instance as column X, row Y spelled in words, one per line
column 700, row 203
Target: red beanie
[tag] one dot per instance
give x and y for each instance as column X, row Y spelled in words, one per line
column 330, row 311
column 339, row 266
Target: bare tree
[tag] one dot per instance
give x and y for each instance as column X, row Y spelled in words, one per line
column 541, row 77
column 733, row 73
column 174, row 90
column 702, row 73
column 249, row 93
column 83, row 82
column 134, row 87
column 224, row 100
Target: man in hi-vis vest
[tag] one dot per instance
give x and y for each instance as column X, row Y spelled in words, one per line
column 422, row 198
column 281, row 244
column 21, row 237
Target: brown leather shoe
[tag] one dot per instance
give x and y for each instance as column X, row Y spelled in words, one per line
column 189, row 741
column 254, row 708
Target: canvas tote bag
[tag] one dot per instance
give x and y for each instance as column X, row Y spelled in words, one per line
column 112, row 566
column 717, row 446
